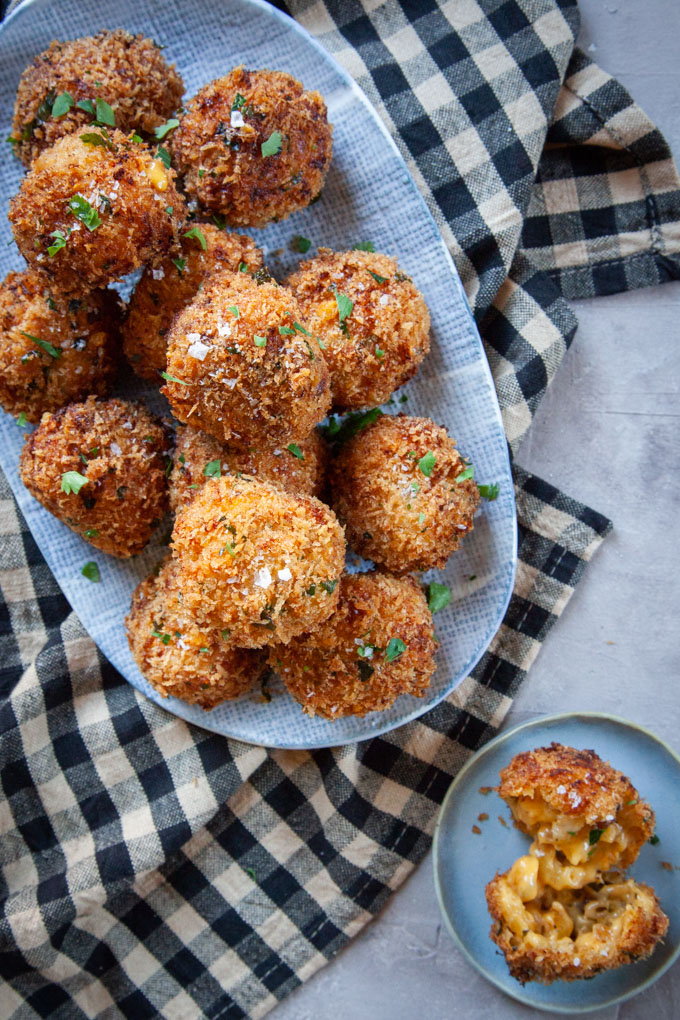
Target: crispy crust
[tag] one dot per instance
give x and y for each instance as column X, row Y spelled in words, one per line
column 373, row 480
column 234, row 389
column 609, row 943
column 132, row 76
column 324, row 671
column 580, row 787
column 165, row 290
column 233, row 542
column 126, row 493
column 223, row 165
column 135, row 228
column 389, row 317
column 85, row 333
column 177, row 657
column 194, row 450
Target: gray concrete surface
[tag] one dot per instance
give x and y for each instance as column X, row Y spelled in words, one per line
column 607, row 433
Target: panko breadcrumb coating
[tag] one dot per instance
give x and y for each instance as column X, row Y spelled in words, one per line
column 377, row 644
column 127, row 71
column 395, row 489
column 199, row 457
column 54, row 350
column 258, row 561
column 90, row 213
column 253, row 146
column 165, row 290
column 245, row 368
column 372, row 319
column 99, row 467
column 580, row 805
column 571, row 935
column 178, row 657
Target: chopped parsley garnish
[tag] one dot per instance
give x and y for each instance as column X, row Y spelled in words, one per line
column 195, row 232
column 468, row 472
column 59, row 242
column 91, row 572
column 72, row 482
column 21, row 420
column 164, row 156
column 213, row 469
column 54, row 352
column 378, row 279
column 104, row 113
column 352, row 425
column 251, row 871
column 344, row 306
column 62, row 104
column 219, row 221
column 311, row 590
column 296, row 451
column 260, row 341
column 173, row 378
column 87, row 105
column 489, row 492
column 169, row 210
column 438, row 596
column 91, row 533
column 273, row 144
column 421, row 518
column 379, row 353
column 239, row 102
column 654, row 839
column 137, row 138
column 225, row 633
column 286, row 331
column 165, row 638
column 234, row 311
column 594, row 836
column 243, row 267
column 180, row 263
column 83, row 211
column 415, row 487
column 631, row 803
column 329, row 586
column 395, row 648
column 363, row 246
column 165, row 129
column 427, row 462
column 94, row 138
column 301, row 244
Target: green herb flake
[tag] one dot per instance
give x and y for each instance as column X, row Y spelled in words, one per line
column 137, row 139
column 195, row 232
column 594, row 836
column 83, row 211
column 352, row 425
column 180, row 264
column 311, row 590
column 260, row 341
column 93, row 138
column 54, row 352
column 243, row 267
column 173, row 378
column 87, row 105
column 91, row 533
column 21, row 420
column 59, row 242
column 169, row 210
column 421, row 518
column 62, row 104
column 631, row 803
column 165, row 638
column 213, row 469
column 234, row 311
column 296, row 451
column 273, row 144
column 301, row 244
column 286, row 331
column 239, row 102
column 427, row 463
column 165, row 129
column 104, row 113
column 251, row 871
column 438, row 596
column 378, row 279
column 91, row 572
column 329, row 586
column 654, row 839
column 395, row 648
column 489, row 492
column 164, row 156
column 468, row 472
column 363, row 246
column 344, row 305
column 379, row 353
column 72, row 482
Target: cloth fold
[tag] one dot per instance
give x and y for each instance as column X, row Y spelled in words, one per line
column 150, row 868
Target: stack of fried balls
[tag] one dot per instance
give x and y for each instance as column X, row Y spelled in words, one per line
column 120, row 178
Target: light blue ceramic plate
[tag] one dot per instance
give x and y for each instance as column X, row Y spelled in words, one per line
column 369, row 196
column 464, row 862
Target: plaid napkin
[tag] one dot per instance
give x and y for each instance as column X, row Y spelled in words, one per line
column 149, row 868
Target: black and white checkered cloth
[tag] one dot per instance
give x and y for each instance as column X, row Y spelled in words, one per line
column 148, row 868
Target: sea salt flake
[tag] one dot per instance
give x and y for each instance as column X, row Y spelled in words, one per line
column 158, row 274
column 285, row 574
column 384, row 299
column 262, row 578
column 237, row 119
column 198, row 349
column 223, row 329
column 115, row 449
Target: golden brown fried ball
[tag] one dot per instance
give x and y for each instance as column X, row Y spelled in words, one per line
column 395, row 488
column 99, row 467
column 54, row 350
column 378, row 644
column 249, row 372
column 384, row 333
column 87, row 214
column 572, row 801
column 258, row 561
column 218, row 146
column 179, row 658
column 199, row 457
column 548, row 935
column 127, row 71
column 165, row 290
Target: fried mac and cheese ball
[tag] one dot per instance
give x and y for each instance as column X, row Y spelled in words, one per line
column 397, row 489
column 99, row 467
column 243, row 366
column 54, row 350
column 253, row 146
column 377, row 644
column 258, row 561
column 179, row 658
column 564, row 910
column 167, row 289
column 199, row 457
column 126, row 71
column 89, row 212
column 372, row 319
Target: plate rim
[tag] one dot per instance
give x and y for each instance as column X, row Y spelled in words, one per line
column 517, row 994
column 495, row 619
